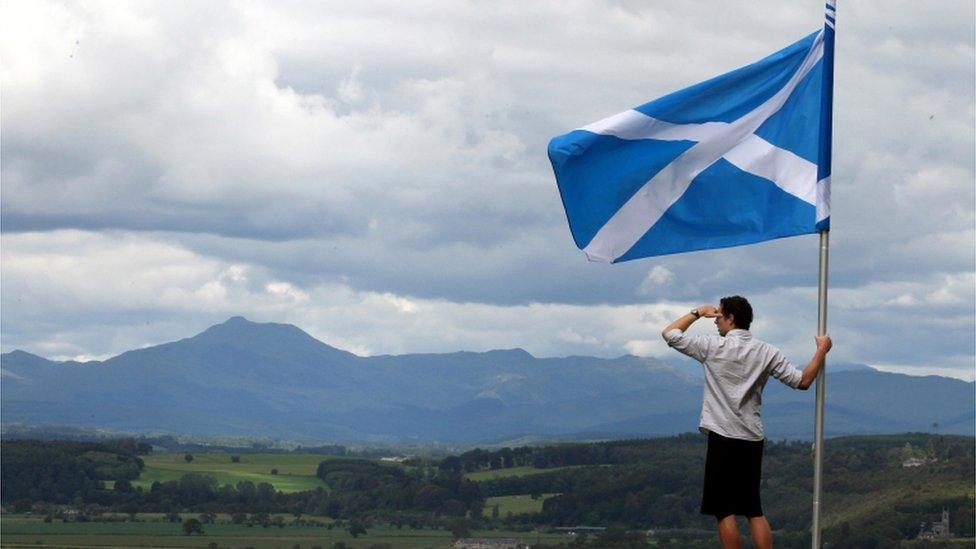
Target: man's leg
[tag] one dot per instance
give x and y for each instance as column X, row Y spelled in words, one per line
column 762, row 536
column 728, row 532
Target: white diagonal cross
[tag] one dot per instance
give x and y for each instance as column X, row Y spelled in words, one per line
column 734, row 141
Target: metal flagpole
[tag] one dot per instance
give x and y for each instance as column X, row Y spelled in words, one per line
column 823, row 177
column 818, row 424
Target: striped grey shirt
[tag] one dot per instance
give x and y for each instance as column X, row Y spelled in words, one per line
column 737, row 367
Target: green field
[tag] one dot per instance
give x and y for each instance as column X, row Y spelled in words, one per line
column 512, row 472
column 515, row 504
column 856, row 507
column 296, row 472
column 20, row 531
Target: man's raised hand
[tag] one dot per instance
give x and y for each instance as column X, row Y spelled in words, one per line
column 708, row 311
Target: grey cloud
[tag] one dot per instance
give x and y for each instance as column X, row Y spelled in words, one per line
column 83, row 293
column 401, row 149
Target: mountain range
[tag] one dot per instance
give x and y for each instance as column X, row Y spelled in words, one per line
column 242, row 378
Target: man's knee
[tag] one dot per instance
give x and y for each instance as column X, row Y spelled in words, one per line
column 758, row 520
column 726, row 522
column 728, row 532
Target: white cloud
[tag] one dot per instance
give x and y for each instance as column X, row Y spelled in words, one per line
column 658, row 277
column 83, row 294
column 645, row 347
column 951, row 293
column 572, row 336
column 98, row 279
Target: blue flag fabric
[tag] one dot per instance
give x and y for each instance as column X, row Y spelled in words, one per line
column 738, row 159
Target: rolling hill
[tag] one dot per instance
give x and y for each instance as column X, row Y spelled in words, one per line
column 242, row 378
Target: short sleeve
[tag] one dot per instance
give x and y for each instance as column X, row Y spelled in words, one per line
column 694, row 346
column 783, row 370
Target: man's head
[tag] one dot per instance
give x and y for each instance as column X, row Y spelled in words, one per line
column 735, row 312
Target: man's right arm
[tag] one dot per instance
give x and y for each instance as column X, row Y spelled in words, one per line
column 685, row 322
column 812, row 370
column 694, row 346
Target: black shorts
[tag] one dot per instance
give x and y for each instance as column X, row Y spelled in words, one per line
column 733, row 468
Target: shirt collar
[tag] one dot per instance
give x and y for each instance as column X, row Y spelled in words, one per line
column 740, row 333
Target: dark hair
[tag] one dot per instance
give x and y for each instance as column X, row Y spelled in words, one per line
column 738, row 307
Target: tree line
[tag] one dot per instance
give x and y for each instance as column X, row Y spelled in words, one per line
column 632, row 485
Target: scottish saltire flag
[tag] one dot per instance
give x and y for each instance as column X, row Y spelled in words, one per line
column 738, row 159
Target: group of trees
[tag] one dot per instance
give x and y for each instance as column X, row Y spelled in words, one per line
column 359, row 486
column 98, row 474
column 636, row 484
column 569, row 454
column 170, row 443
column 62, row 471
column 478, row 459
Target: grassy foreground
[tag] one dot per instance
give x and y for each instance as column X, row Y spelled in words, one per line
column 22, row 531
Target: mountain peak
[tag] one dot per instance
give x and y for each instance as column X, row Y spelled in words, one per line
column 17, row 353
column 266, row 338
column 238, row 324
column 23, row 357
column 238, row 319
column 517, row 352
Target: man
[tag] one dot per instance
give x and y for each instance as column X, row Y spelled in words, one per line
column 736, row 369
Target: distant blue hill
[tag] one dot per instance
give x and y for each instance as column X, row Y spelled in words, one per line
column 242, row 378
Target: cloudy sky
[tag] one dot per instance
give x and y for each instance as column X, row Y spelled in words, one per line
column 376, row 173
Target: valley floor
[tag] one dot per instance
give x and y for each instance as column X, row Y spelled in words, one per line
column 26, row 531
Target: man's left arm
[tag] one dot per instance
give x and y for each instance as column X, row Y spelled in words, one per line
column 816, row 363
column 782, row 370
